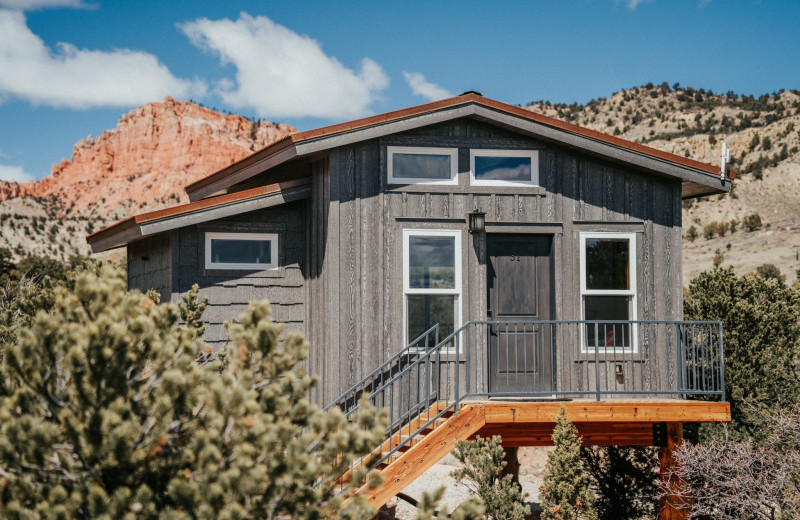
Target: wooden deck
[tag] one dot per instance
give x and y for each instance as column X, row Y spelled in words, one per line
column 644, row 422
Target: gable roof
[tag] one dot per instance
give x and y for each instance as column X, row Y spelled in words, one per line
column 699, row 178
column 138, row 226
column 209, row 200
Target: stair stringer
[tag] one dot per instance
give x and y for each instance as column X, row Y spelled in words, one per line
column 420, row 457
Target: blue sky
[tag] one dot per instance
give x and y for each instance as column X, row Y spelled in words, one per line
column 70, row 68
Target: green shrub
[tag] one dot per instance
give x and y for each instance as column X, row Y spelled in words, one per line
column 761, row 327
column 110, row 410
column 718, row 258
column 691, row 234
column 625, row 479
column 566, row 494
column 482, row 473
column 754, row 142
column 709, row 230
column 752, row 222
column 771, row 272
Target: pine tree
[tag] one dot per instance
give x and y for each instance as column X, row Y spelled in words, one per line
column 625, row 479
column 691, row 233
column 106, row 413
column 484, row 460
column 565, row 493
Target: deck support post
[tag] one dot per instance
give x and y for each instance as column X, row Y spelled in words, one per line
column 670, row 506
column 512, row 464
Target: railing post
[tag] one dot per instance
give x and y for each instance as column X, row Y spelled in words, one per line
column 679, row 352
column 457, row 389
column 722, row 363
column 596, row 362
column 468, row 347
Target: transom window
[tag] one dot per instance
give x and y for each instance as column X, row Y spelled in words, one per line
column 251, row 251
column 504, row 167
column 608, row 289
column 431, row 281
column 420, row 165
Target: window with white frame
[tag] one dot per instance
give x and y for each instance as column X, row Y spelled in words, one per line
column 248, row 251
column 504, row 167
column 422, row 165
column 608, row 289
column 431, row 281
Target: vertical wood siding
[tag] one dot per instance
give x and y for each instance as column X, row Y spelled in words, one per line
column 355, row 293
column 150, row 265
column 341, row 251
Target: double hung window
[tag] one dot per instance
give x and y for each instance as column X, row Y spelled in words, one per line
column 431, row 281
column 608, row 289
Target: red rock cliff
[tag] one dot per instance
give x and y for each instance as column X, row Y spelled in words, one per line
column 145, row 162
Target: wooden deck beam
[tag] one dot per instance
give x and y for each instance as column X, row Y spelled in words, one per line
column 606, row 423
column 615, row 411
column 593, row 434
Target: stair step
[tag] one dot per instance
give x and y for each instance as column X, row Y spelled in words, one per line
column 435, row 424
column 411, row 442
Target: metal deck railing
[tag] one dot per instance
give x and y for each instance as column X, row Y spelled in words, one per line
column 540, row 360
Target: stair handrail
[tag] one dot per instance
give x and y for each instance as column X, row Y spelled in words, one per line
column 410, row 349
column 451, row 405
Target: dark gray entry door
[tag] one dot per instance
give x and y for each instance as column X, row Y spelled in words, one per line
column 519, row 271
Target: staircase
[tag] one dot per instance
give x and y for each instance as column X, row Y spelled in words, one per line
column 440, row 390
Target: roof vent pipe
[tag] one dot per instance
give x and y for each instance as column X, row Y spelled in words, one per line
column 725, row 158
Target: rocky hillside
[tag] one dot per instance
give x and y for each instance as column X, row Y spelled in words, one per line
column 142, row 164
column 764, row 135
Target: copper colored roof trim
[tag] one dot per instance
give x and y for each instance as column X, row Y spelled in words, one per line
column 195, row 206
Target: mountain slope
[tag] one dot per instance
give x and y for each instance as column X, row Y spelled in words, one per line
column 764, row 135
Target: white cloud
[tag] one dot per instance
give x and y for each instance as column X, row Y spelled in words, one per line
column 14, row 173
column 280, row 73
column 80, row 78
column 30, row 5
column 422, row 87
column 633, row 4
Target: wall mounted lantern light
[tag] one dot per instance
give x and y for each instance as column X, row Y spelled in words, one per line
column 477, row 221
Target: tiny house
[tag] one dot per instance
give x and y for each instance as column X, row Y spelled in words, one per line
column 459, row 254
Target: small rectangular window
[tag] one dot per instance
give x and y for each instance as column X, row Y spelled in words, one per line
column 248, row 251
column 418, row 165
column 504, row 167
column 608, row 291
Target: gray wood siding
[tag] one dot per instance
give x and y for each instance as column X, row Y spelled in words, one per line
column 355, row 293
column 230, row 292
column 150, row 265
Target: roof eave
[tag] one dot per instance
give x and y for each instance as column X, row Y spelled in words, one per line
column 135, row 228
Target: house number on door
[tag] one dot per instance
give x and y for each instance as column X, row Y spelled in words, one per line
column 514, row 257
